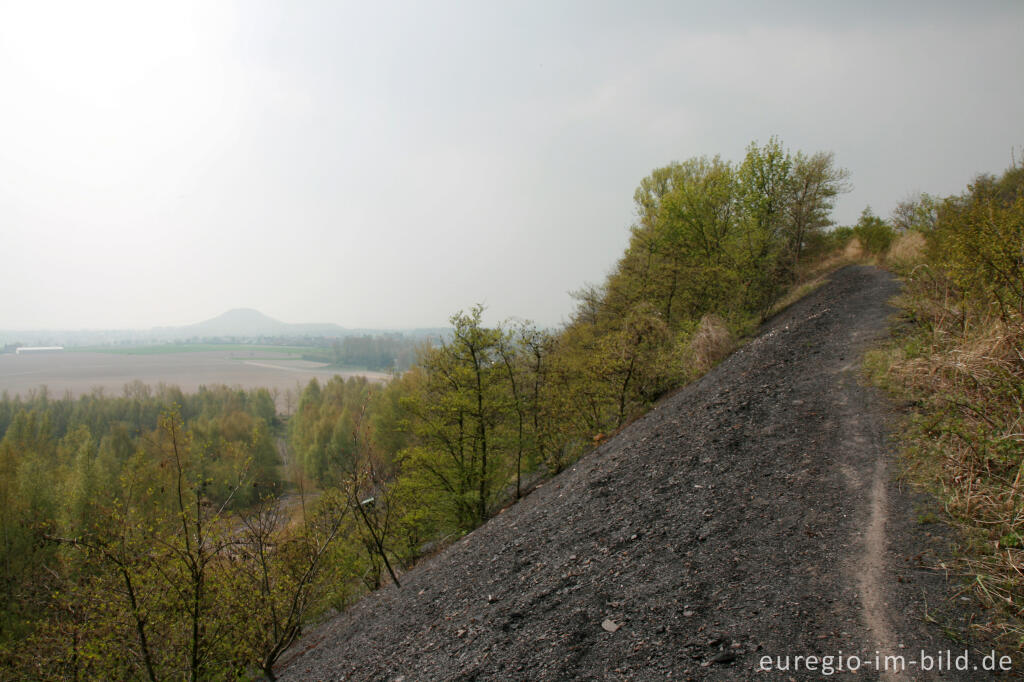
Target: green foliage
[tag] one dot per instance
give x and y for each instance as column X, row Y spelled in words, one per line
column 917, row 214
column 157, row 578
column 712, row 238
column 381, row 353
column 875, row 234
column 283, row 574
column 321, row 430
column 979, row 240
column 136, row 410
column 94, row 473
column 458, row 416
column 815, row 184
column 836, row 238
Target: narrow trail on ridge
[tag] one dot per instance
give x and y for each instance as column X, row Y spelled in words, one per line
column 752, row 514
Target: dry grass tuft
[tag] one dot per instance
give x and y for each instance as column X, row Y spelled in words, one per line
column 854, row 250
column 710, row 343
column 799, row 291
column 907, row 251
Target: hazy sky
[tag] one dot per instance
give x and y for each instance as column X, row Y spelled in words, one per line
column 384, row 164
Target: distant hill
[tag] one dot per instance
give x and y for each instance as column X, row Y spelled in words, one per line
column 246, row 322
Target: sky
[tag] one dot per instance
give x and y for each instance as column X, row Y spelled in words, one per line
column 387, row 164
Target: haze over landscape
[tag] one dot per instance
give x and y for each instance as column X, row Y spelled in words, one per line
column 384, row 165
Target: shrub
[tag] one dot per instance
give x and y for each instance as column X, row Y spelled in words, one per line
column 980, row 242
column 875, row 234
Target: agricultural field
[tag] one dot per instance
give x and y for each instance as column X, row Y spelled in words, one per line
column 169, row 348
column 78, row 372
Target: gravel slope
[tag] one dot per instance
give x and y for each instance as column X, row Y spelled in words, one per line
column 751, row 514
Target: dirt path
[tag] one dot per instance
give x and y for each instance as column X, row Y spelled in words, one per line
column 871, row 574
column 751, row 515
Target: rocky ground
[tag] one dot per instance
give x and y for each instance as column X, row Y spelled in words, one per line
column 753, row 514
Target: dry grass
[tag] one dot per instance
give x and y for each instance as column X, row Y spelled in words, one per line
column 854, row 250
column 798, row 291
column 908, row 251
column 710, row 344
column 965, row 440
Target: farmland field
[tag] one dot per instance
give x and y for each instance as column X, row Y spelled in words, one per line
column 81, row 372
column 167, row 348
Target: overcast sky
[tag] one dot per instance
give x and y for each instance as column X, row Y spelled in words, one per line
column 381, row 164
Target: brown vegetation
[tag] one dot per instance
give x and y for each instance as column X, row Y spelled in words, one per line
column 712, row 341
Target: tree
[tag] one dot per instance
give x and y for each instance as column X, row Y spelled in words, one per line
column 368, row 489
column 280, row 575
column 83, row 487
column 28, row 504
column 160, row 572
column 455, row 416
column 536, row 347
column 680, row 253
column 979, row 240
column 917, row 213
column 510, row 360
column 875, row 234
column 765, row 184
column 814, row 186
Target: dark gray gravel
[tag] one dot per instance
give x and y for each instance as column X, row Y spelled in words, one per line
column 730, row 523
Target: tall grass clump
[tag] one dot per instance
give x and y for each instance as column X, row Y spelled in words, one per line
column 907, row 251
column 710, row 344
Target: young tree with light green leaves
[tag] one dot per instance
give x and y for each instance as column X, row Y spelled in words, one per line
column 458, row 415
